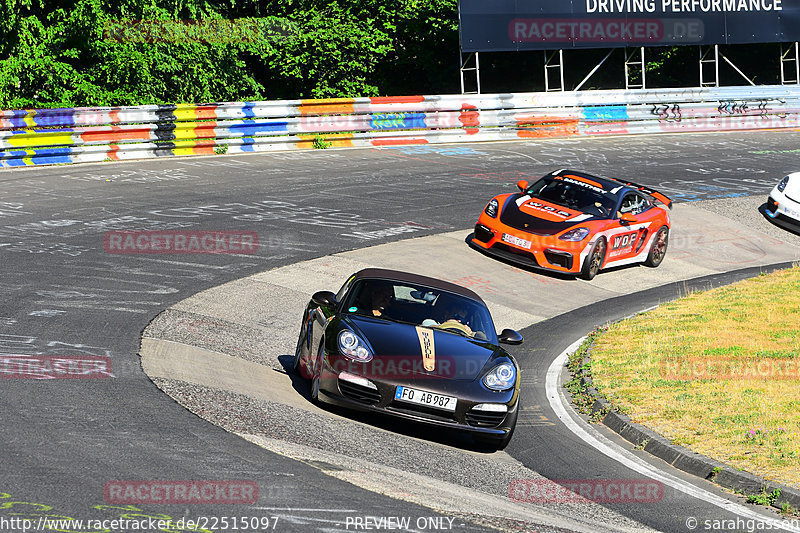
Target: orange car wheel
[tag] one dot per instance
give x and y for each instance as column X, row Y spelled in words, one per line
column 659, row 248
column 594, row 261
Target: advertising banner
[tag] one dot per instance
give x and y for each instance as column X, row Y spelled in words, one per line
column 509, row 25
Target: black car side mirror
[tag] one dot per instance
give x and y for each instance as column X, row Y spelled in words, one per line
column 509, row 336
column 324, row 299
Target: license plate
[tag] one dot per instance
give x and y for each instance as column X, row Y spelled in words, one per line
column 516, row 240
column 421, row 397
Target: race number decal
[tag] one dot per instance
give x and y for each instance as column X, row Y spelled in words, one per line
column 425, row 336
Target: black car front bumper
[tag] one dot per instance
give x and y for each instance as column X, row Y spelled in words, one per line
column 381, row 400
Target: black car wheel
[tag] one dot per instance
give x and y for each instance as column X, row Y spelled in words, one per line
column 317, row 373
column 300, row 340
column 594, row 261
column 659, row 248
column 303, row 336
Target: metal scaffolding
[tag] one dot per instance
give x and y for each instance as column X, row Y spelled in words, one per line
column 790, row 59
column 552, row 63
column 476, row 69
column 632, row 65
column 635, row 68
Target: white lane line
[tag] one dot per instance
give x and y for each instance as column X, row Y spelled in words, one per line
column 558, row 401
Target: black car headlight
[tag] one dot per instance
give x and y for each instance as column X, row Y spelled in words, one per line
column 492, row 207
column 351, row 346
column 577, row 234
column 500, row 378
column 781, row 185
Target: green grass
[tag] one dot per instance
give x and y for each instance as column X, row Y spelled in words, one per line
column 716, row 371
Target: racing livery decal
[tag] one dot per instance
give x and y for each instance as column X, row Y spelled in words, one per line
column 428, row 349
column 545, row 208
column 622, row 243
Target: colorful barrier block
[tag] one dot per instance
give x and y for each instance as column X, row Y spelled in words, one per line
column 73, row 135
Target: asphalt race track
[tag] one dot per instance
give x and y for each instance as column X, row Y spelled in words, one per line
column 63, row 294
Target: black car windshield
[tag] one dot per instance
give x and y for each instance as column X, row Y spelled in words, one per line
column 575, row 194
column 420, row 305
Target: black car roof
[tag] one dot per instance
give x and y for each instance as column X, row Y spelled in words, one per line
column 408, row 277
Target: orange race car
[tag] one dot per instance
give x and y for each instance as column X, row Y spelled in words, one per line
column 575, row 223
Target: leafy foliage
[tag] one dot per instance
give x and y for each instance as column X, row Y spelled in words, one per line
column 96, row 52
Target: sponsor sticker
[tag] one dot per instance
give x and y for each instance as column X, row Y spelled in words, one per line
column 539, row 206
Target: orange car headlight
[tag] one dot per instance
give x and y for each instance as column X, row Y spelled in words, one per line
column 577, row 234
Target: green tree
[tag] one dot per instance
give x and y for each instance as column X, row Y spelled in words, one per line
column 74, row 54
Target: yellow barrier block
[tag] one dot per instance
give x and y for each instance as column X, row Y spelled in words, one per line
column 33, row 138
column 199, row 147
column 195, row 130
column 185, row 113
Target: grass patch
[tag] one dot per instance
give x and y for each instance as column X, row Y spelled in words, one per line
column 320, row 143
column 717, row 371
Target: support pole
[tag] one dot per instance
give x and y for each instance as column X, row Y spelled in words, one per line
column 597, row 66
column 728, row 61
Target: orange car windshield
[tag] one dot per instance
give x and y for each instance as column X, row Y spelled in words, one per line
column 574, row 195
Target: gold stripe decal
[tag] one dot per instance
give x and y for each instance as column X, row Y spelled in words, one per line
column 428, row 349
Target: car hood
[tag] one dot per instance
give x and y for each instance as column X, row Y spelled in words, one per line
column 539, row 216
column 397, row 349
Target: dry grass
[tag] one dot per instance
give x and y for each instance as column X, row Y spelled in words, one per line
column 716, row 371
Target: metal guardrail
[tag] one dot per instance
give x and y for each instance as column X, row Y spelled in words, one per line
column 72, row 135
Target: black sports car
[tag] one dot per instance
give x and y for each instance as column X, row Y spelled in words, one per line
column 412, row 347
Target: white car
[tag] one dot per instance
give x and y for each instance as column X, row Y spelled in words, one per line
column 783, row 205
